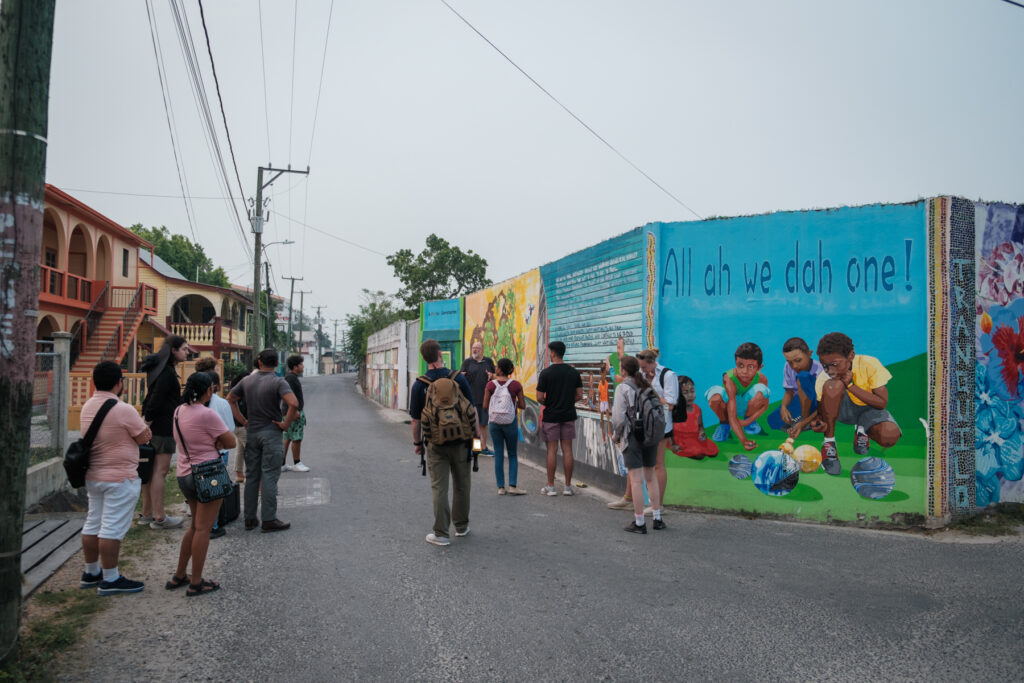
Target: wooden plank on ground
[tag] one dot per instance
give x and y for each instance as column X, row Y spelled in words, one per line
column 40, row 532
column 68, row 529
column 29, row 525
column 44, row 570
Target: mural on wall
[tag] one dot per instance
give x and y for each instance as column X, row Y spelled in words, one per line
column 999, row 368
column 763, row 280
column 442, row 321
column 504, row 318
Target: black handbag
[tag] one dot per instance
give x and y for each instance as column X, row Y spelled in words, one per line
column 210, row 479
column 147, row 456
column 76, row 460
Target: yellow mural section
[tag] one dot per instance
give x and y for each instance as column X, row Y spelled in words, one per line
column 504, row 318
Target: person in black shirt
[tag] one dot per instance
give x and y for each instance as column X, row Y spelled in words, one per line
column 479, row 370
column 294, row 434
column 559, row 387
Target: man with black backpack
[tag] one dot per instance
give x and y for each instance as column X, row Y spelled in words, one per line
column 443, row 426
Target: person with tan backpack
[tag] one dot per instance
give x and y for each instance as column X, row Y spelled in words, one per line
column 443, row 426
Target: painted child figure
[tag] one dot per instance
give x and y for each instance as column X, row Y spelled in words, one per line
column 742, row 398
column 602, row 394
column 688, row 437
column 852, row 390
column 800, row 400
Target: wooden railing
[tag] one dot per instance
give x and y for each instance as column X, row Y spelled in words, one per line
column 74, row 289
column 88, row 328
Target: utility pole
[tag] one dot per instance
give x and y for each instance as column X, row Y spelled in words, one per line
column 270, row 308
column 26, row 40
column 302, row 300
column 319, row 336
column 291, row 300
column 334, row 345
column 258, row 219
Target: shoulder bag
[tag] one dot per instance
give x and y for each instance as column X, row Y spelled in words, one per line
column 210, row 479
column 76, row 460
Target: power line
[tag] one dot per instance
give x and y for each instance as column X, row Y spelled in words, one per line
column 141, row 194
column 220, row 100
column 333, row 236
column 157, row 53
column 263, row 64
column 569, row 111
column 323, row 63
column 1014, row 3
column 291, row 114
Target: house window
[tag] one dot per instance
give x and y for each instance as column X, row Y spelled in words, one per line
column 50, row 259
column 124, row 263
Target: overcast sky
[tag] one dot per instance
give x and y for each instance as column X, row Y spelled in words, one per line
column 733, row 107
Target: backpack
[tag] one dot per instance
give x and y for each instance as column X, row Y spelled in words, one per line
column 502, row 409
column 76, row 460
column 447, row 413
column 646, row 418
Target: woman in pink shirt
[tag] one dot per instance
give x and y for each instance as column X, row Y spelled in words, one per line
column 199, row 435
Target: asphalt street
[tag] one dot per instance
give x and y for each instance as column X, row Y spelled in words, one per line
column 552, row 588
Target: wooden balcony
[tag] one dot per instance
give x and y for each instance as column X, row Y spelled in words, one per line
column 68, row 289
column 211, row 336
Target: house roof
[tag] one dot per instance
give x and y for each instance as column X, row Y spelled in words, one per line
column 151, row 260
column 55, row 195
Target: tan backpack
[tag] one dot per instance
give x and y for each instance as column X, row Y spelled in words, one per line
column 447, row 414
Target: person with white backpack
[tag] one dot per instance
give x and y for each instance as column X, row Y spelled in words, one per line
column 503, row 397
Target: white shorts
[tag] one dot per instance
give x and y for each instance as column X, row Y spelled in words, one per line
column 111, row 507
column 604, row 406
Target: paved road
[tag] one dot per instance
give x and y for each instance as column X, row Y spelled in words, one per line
column 553, row 589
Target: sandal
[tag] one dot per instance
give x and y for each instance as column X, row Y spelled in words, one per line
column 195, row 589
column 176, row 582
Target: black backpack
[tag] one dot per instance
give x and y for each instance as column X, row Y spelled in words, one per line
column 646, row 418
column 76, row 460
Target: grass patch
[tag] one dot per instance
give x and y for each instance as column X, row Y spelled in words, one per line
column 58, row 619
column 1001, row 520
column 42, row 454
column 62, row 617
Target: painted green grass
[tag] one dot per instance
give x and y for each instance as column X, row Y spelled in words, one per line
column 708, row 484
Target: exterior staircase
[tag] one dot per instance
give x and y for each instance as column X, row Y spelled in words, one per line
column 113, row 334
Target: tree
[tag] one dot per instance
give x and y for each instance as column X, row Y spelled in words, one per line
column 377, row 311
column 441, row 271
column 184, row 255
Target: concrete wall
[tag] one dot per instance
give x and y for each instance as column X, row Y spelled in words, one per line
column 386, row 375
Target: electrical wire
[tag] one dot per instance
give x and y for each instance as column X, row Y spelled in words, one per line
column 139, row 194
column 266, row 101
column 569, row 111
column 323, row 63
column 1014, row 3
column 291, row 114
column 158, row 55
column 331, row 235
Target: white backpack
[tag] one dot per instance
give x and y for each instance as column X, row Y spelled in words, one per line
column 502, row 409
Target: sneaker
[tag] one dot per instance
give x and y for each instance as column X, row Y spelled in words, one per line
column 286, row 468
column 513, row 491
column 168, row 522
column 144, row 520
column 300, row 467
column 274, row 525
column 460, row 534
column 122, row 585
column 567, row 491
column 633, row 528
column 861, row 444
column 659, row 524
column 437, row 540
column 721, row 433
column 90, row 580
column 753, row 429
column 621, row 504
column 549, row 491
column 830, row 459
column 501, row 490
column 218, row 532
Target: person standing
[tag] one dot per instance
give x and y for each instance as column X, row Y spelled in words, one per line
column 503, row 398
column 163, row 395
column 479, row 370
column 223, row 409
column 263, row 392
column 294, row 434
column 200, row 435
column 111, row 482
column 666, row 385
column 639, row 459
column 559, row 387
column 444, row 459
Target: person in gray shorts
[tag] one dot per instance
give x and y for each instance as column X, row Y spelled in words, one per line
column 263, row 393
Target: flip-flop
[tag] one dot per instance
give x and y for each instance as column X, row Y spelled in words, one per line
column 203, row 588
column 176, row 582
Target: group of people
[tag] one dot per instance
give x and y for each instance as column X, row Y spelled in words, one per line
column 840, row 387
column 261, row 417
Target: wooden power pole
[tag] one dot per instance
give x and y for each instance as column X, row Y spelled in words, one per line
column 26, row 38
